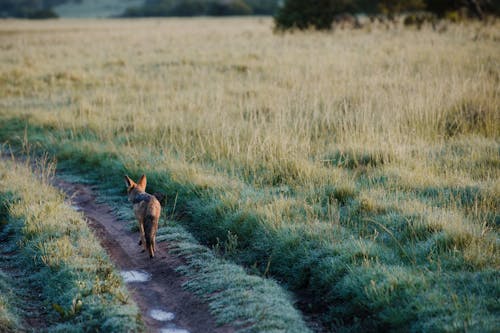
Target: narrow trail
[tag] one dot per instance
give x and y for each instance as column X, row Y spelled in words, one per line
column 157, row 288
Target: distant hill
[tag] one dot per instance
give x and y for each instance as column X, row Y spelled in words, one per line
column 65, row 8
column 94, row 8
column 133, row 8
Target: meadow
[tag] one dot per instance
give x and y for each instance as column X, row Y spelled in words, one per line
column 360, row 169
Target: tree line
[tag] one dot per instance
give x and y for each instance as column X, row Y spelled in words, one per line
column 320, row 14
column 301, row 14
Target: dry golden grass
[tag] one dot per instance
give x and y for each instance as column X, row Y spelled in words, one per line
column 234, row 94
column 378, row 149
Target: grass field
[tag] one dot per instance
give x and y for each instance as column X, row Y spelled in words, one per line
column 359, row 169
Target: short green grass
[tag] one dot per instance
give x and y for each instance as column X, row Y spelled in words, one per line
column 249, row 303
column 54, row 276
column 358, row 167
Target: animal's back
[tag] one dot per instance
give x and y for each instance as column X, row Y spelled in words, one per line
column 145, row 204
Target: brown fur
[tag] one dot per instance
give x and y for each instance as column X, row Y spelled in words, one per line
column 147, row 210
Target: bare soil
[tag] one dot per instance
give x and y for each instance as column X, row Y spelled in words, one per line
column 164, row 290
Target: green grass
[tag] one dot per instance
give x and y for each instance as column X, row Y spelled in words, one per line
column 9, row 319
column 367, row 179
column 248, row 302
column 53, row 269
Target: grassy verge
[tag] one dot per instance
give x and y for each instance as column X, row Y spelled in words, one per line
column 55, row 276
column 249, row 303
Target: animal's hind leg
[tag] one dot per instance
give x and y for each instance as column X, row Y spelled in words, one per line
column 151, row 251
column 142, row 240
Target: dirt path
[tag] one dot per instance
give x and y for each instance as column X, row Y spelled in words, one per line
column 161, row 294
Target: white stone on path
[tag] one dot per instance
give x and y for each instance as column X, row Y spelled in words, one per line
column 135, row 276
column 161, row 315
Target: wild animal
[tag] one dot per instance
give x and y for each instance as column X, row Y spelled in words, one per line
column 147, row 210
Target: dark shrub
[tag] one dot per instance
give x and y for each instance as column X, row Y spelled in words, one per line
column 304, row 14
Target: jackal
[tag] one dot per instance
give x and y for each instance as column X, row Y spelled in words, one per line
column 147, row 210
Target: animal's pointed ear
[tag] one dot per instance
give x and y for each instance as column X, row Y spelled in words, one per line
column 142, row 182
column 129, row 182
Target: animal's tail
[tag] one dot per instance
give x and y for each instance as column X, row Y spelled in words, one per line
column 150, row 226
column 161, row 197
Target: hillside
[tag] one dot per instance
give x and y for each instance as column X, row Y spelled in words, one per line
column 113, row 8
column 94, row 8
